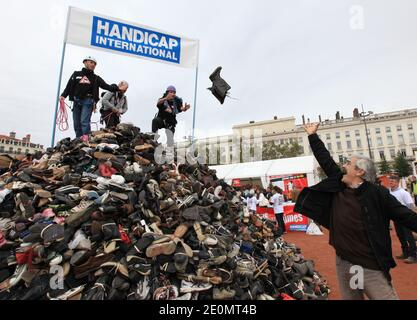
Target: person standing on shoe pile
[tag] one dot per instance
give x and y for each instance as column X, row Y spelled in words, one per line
column 83, row 89
column 114, row 105
column 169, row 106
column 357, row 213
column 408, row 244
column 277, row 200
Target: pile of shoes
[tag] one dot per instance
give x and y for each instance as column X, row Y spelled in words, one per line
column 101, row 220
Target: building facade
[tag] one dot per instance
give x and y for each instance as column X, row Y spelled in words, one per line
column 13, row 146
column 387, row 133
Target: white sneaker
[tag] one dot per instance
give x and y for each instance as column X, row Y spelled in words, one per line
column 187, row 286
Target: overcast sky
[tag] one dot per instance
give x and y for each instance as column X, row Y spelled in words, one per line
column 282, row 58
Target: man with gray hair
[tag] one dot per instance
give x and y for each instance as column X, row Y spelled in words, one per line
column 357, row 213
column 114, row 104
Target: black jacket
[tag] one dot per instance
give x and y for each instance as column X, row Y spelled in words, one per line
column 378, row 206
column 80, row 90
column 175, row 105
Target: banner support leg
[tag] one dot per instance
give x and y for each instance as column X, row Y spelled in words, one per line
column 195, row 103
column 58, row 95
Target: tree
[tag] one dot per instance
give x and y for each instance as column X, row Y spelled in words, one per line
column 401, row 166
column 384, row 167
column 320, row 173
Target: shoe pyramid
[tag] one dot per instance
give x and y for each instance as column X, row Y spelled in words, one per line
column 101, row 220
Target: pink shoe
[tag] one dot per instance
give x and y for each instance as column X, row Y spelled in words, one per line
column 59, row 220
column 85, row 138
column 48, row 213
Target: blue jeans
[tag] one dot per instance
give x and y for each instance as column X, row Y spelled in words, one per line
column 81, row 113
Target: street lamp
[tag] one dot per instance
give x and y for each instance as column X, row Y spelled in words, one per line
column 364, row 114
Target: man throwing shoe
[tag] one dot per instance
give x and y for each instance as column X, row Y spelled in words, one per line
column 169, row 106
column 357, row 213
column 83, row 89
column 408, row 244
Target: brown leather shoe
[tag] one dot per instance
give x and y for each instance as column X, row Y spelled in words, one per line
column 92, row 264
column 181, row 230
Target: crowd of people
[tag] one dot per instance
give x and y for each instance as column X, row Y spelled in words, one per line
column 272, row 197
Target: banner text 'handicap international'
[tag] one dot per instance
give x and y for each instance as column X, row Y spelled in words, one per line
column 105, row 33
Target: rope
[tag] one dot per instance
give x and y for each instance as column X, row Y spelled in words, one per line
column 102, row 120
column 62, row 117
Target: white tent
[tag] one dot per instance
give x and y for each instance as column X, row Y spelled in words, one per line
column 264, row 169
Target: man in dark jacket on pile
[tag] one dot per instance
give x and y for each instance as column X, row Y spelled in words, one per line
column 357, row 213
column 83, row 89
column 169, row 106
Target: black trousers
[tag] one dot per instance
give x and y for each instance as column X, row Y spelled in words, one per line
column 280, row 220
column 110, row 118
column 159, row 123
column 408, row 244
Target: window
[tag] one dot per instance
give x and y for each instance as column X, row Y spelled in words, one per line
column 19, row 150
column 370, row 142
column 382, row 155
column 379, row 141
column 392, row 153
column 399, row 128
column 403, row 152
column 27, row 151
column 327, row 136
column 377, row 130
column 387, row 129
column 341, row 159
column 347, row 134
column 1, row 149
column 11, row 150
column 412, row 137
column 357, row 133
column 389, row 140
column 337, row 135
column 410, row 126
column 401, row 139
column 329, row 146
column 359, row 143
column 339, row 145
column 349, row 144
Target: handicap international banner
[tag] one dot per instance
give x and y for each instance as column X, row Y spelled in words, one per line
column 93, row 30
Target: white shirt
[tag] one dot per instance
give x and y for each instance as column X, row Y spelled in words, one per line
column 252, row 202
column 403, row 197
column 263, row 201
column 277, row 200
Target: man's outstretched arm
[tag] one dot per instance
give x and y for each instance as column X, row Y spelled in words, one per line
column 320, row 152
